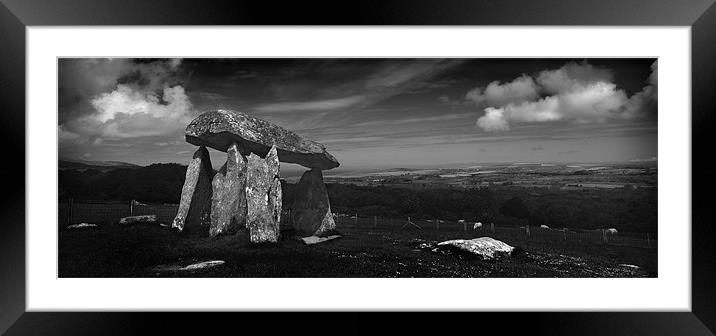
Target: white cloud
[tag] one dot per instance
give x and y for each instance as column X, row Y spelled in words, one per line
column 594, row 103
column 121, row 98
column 174, row 64
column 645, row 101
column 475, row 95
column 571, row 76
column 493, row 120
column 127, row 112
column 580, row 93
column 519, row 90
column 654, row 76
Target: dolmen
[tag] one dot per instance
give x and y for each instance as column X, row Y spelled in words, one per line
column 243, row 197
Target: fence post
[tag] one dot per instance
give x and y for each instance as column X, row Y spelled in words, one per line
column 375, row 222
column 69, row 212
column 648, row 240
column 131, row 208
column 464, row 226
column 437, row 224
column 355, row 223
column 492, row 226
column 527, row 229
column 565, row 233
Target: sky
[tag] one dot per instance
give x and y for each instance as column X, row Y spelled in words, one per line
column 370, row 113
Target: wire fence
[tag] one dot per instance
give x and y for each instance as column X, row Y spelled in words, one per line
column 430, row 227
column 100, row 212
column 71, row 212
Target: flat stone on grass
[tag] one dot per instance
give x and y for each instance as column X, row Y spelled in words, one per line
column 82, row 226
column 315, row 240
column 145, row 219
column 192, row 267
column 485, row 248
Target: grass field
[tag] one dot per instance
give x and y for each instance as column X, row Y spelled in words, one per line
column 364, row 251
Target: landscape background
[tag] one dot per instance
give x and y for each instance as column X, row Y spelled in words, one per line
column 580, row 196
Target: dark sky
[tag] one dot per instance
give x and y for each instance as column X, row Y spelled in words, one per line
column 370, row 113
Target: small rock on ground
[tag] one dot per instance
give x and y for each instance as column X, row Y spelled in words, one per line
column 315, row 240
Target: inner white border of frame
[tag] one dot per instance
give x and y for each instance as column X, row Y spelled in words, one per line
column 670, row 291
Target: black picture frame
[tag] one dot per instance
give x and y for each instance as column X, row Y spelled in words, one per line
column 16, row 15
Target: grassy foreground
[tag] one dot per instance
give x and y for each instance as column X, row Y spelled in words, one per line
column 136, row 251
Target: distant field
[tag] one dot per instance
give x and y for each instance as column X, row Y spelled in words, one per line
column 575, row 196
column 387, row 250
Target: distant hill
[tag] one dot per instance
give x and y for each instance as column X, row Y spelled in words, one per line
column 97, row 165
column 158, row 183
column 628, row 209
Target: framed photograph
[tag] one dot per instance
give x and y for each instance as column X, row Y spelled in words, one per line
column 533, row 159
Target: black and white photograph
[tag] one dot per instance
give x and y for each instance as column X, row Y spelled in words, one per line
column 357, row 167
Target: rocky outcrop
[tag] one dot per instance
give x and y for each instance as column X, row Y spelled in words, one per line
column 198, row 266
column 82, row 226
column 315, row 240
column 144, row 219
column 484, row 248
column 263, row 196
column 228, row 204
column 219, row 129
column 195, row 205
column 311, row 210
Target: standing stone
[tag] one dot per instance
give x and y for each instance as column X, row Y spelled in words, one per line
column 311, row 209
column 228, row 205
column 263, row 195
column 195, row 206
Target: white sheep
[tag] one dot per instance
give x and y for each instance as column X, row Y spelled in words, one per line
column 478, row 225
column 544, row 227
column 612, row 231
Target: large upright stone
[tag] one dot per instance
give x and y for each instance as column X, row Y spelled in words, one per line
column 228, row 205
column 195, row 205
column 311, row 212
column 263, row 195
column 220, row 128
